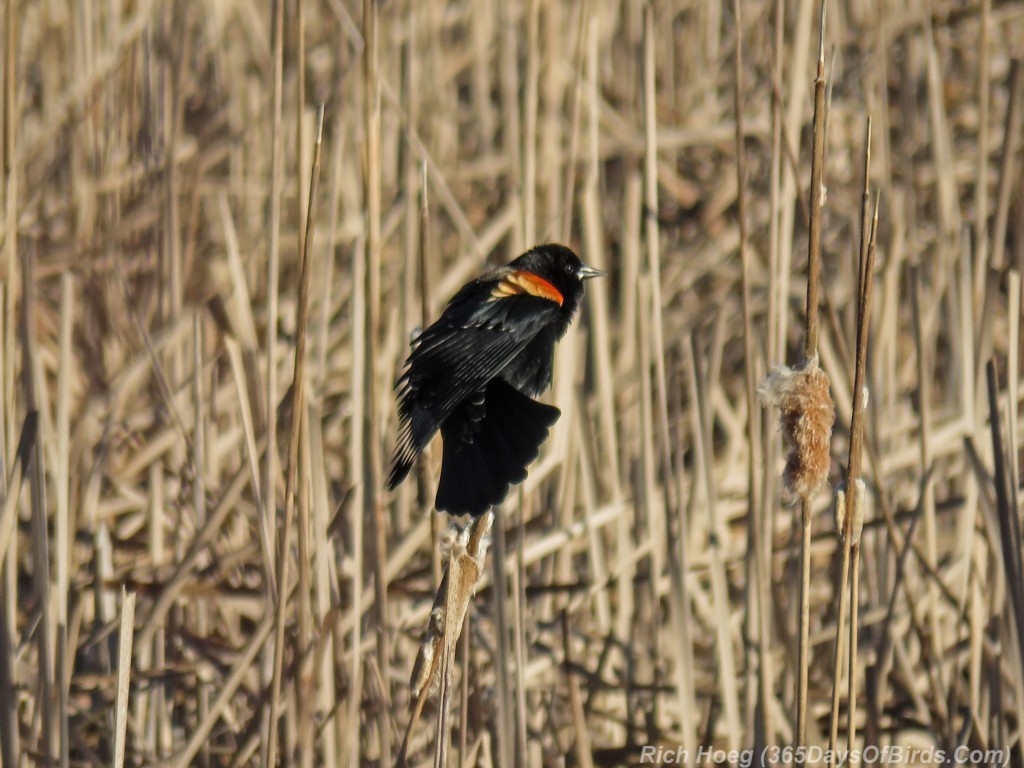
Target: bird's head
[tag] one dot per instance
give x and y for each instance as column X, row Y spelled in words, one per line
column 561, row 268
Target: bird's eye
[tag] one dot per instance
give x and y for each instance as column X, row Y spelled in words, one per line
column 568, row 269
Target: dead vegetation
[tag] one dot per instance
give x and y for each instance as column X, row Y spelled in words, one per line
column 164, row 487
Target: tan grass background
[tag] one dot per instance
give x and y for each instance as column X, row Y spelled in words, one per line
column 157, row 161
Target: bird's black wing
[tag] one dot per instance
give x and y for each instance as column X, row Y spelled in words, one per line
column 483, row 328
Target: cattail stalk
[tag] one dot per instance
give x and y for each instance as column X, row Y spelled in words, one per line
column 850, row 502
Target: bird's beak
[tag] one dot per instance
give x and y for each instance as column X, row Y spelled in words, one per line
column 589, row 273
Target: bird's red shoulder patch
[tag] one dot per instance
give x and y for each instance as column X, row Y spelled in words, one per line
column 520, row 281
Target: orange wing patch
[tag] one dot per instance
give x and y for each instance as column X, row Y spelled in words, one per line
column 520, row 282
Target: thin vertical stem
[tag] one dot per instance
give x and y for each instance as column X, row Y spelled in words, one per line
column 124, row 674
column 810, row 353
column 865, row 266
column 854, row 505
column 760, row 594
column 303, row 201
column 840, row 650
column 1011, row 141
column 273, row 271
column 373, row 500
column 805, row 621
column 270, row 415
column 423, row 471
column 530, row 127
column 651, row 210
column 39, row 528
column 817, row 198
column 851, row 698
column 981, row 241
column 504, row 704
column 62, row 548
column 298, row 405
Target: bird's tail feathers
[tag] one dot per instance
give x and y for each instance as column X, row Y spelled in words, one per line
column 477, row 475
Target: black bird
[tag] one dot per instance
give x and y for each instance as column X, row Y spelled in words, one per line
column 473, row 374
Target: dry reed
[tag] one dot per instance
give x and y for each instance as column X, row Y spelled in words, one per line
column 155, row 247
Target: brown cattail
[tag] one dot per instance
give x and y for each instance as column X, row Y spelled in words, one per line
column 806, row 417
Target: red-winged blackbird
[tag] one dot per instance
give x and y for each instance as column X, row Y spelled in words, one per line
column 474, row 372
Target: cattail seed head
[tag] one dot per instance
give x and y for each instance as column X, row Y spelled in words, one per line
column 806, row 415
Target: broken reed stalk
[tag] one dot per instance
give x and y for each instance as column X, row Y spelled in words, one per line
column 467, row 551
column 811, row 354
column 124, row 674
column 1011, row 141
column 298, row 406
column 849, row 500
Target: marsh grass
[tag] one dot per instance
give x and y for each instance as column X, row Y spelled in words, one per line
column 171, row 270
